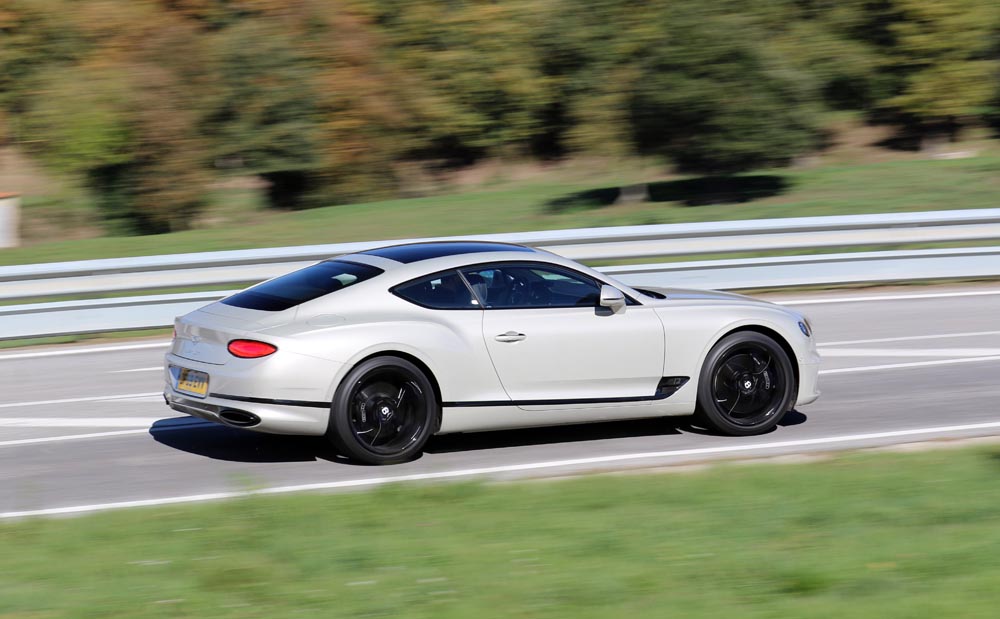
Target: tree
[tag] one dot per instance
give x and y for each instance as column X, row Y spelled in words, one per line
column 477, row 88
column 124, row 117
column 265, row 114
column 590, row 58
column 946, row 56
column 34, row 35
column 833, row 41
column 304, row 100
column 117, row 128
column 713, row 99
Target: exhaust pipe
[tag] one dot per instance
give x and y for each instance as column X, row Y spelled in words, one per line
column 240, row 419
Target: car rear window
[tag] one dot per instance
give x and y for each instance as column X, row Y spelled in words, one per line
column 303, row 285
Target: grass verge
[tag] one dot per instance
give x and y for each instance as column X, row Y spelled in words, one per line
column 860, row 535
column 831, row 189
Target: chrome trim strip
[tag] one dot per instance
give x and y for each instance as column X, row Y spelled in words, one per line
column 239, row 398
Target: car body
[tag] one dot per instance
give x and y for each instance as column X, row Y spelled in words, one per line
column 479, row 336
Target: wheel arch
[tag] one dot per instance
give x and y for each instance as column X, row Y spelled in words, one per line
column 774, row 335
column 415, row 361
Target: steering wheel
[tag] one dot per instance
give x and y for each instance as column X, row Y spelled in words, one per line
column 517, row 293
column 539, row 293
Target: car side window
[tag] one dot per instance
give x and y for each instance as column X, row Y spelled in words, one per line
column 528, row 286
column 438, row 291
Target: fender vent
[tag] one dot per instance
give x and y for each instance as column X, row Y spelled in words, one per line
column 669, row 385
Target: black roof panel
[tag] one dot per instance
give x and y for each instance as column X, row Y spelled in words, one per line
column 416, row 252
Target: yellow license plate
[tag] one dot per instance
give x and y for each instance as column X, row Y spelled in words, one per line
column 192, row 382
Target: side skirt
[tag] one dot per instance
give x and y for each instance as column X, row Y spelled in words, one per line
column 483, row 416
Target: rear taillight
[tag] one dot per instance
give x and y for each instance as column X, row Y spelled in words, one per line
column 250, row 349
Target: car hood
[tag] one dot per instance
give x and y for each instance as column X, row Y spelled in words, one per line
column 690, row 294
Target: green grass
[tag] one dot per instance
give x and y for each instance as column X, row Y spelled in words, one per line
column 239, row 222
column 871, row 535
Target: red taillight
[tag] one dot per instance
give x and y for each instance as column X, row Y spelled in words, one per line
column 250, row 349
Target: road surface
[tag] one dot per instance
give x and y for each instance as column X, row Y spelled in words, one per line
column 83, row 428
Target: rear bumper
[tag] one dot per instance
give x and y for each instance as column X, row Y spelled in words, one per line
column 282, row 394
column 274, row 418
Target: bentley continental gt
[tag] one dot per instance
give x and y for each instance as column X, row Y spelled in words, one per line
column 381, row 349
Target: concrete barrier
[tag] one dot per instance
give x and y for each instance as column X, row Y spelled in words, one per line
column 10, row 204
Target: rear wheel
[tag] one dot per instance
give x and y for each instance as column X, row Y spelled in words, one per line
column 746, row 386
column 383, row 412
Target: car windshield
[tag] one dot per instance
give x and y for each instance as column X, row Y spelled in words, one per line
column 303, row 285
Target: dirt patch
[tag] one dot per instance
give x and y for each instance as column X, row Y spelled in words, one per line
column 19, row 174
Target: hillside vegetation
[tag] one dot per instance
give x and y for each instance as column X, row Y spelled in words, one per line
column 142, row 107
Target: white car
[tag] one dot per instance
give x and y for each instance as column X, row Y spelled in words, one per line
column 381, row 349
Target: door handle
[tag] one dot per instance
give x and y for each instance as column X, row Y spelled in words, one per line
column 510, row 336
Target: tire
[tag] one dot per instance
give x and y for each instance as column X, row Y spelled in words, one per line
column 383, row 412
column 747, row 385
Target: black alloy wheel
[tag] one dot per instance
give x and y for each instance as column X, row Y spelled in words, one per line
column 384, row 412
column 747, row 384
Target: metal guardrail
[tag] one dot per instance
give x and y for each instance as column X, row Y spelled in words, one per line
column 224, row 269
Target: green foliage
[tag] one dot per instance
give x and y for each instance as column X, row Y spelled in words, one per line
column 947, row 55
column 117, row 127
column 304, row 101
column 833, row 41
column 591, row 59
column 104, row 95
column 77, row 121
column 264, row 115
column 476, row 84
column 34, row 35
column 713, row 100
column 147, row 101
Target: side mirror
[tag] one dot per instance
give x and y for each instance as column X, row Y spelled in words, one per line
column 612, row 298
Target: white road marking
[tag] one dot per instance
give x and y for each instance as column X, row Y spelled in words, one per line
column 82, row 351
column 909, row 352
column 74, row 437
column 155, row 368
column 78, row 422
column 914, row 364
column 891, row 297
column 510, row 468
column 100, row 398
column 909, row 338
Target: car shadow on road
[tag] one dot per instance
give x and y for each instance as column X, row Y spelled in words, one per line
column 791, row 418
column 448, row 443
column 212, row 440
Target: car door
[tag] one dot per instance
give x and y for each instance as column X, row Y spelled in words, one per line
column 553, row 346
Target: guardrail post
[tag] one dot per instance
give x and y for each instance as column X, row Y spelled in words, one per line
column 9, row 205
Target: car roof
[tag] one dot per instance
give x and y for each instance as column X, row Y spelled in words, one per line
column 416, row 252
column 405, row 262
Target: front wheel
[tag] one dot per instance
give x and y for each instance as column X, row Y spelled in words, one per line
column 746, row 386
column 383, row 412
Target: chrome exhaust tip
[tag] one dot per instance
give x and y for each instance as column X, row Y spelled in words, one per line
column 239, row 419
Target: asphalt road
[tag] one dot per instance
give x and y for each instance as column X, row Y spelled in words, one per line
column 83, row 428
